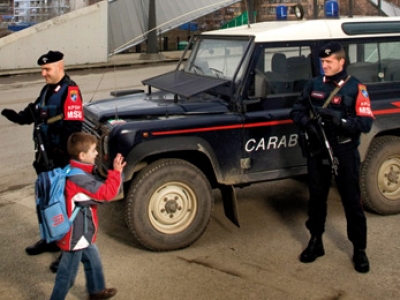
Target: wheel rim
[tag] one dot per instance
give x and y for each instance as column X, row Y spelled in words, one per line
column 172, row 207
column 389, row 178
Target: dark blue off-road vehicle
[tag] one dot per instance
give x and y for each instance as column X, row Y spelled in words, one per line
column 221, row 121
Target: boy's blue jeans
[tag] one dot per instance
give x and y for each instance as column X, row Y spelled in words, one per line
column 68, row 269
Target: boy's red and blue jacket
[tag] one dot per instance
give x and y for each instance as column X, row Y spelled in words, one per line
column 87, row 191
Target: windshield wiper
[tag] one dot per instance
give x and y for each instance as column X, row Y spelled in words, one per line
column 196, row 67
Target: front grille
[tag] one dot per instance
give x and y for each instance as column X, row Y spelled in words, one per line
column 99, row 131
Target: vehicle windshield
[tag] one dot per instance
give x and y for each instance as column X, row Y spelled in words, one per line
column 219, row 58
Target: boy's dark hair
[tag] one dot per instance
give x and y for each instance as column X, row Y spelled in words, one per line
column 80, row 142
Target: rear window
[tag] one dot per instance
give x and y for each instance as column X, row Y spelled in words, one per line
column 374, row 62
column 371, row 28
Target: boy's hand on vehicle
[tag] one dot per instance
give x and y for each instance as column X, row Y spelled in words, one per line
column 119, row 162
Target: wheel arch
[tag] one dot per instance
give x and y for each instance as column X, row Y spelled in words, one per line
column 366, row 139
column 193, row 149
column 379, row 176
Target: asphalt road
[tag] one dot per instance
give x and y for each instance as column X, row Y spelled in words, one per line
column 257, row 261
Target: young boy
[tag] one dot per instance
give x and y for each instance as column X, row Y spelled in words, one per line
column 78, row 245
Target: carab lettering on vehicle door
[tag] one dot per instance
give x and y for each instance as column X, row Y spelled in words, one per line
column 271, row 145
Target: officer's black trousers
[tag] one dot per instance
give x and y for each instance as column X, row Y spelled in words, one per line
column 320, row 175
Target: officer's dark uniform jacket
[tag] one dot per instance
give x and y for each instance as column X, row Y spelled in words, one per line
column 351, row 103
column 65, row 101
column 86, row 191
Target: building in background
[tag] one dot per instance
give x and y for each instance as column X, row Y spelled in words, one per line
column 265, row 10
column 19, row 14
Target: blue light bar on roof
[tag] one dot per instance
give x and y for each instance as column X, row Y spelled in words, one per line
column 331, row 9
column 281, row 12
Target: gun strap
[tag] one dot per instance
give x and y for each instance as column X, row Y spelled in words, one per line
column 55, row 118
column 334, row 92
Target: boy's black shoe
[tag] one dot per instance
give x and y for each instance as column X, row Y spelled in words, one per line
column 361, row 262
column 104, row 294
column 40, row 247
column 54, row 264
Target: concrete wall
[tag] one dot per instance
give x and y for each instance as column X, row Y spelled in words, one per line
column 81, row 35
column 77, row 4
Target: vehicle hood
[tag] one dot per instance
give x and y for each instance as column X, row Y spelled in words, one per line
column 177, row 93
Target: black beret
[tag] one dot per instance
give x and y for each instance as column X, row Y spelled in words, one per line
column 50, row 57
column 329, row 49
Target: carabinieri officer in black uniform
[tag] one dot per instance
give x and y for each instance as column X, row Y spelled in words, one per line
column 343, row 103
column 56, row 113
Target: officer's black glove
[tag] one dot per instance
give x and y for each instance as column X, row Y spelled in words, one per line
column 312, row 133
column 314, row 139
column 330, row 116
column 11, row 115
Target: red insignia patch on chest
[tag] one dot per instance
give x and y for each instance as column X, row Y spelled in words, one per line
column 336, row 100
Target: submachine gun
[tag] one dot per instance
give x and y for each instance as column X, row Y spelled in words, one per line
column 42, row 155
column 318, row 120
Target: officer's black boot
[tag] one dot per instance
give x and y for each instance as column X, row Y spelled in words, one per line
column 40, row 247
column 314, row 250
column 360, row 259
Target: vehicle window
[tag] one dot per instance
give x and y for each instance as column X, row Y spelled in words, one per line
column 281, row 70
column 374, row 62
column 217, row 58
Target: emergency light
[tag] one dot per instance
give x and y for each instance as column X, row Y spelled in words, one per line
column 331, row 9
column 281, row 12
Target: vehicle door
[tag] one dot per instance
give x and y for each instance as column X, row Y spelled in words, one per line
column 271, row 140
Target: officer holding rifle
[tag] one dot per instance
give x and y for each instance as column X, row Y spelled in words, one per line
column 56, row 114
column 332, row 111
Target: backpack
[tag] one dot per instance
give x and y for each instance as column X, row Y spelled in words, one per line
column 50, row 203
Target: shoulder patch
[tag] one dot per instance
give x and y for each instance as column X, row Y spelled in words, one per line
column 363, row 103
column 363, row 89
column 73, row 107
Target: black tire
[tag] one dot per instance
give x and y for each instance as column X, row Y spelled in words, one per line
column 169, row 205
column 380, row 176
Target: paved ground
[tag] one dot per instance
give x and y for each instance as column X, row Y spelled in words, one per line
column 258, row 261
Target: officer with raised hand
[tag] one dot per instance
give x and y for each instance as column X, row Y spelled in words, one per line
column 56, row 113
column 343, row 103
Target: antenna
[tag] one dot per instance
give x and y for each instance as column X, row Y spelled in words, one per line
column 116, row 113
column 97, row 88
column 250, row 12
column 101, row 79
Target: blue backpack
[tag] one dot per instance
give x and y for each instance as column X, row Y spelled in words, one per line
column 50, row 203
